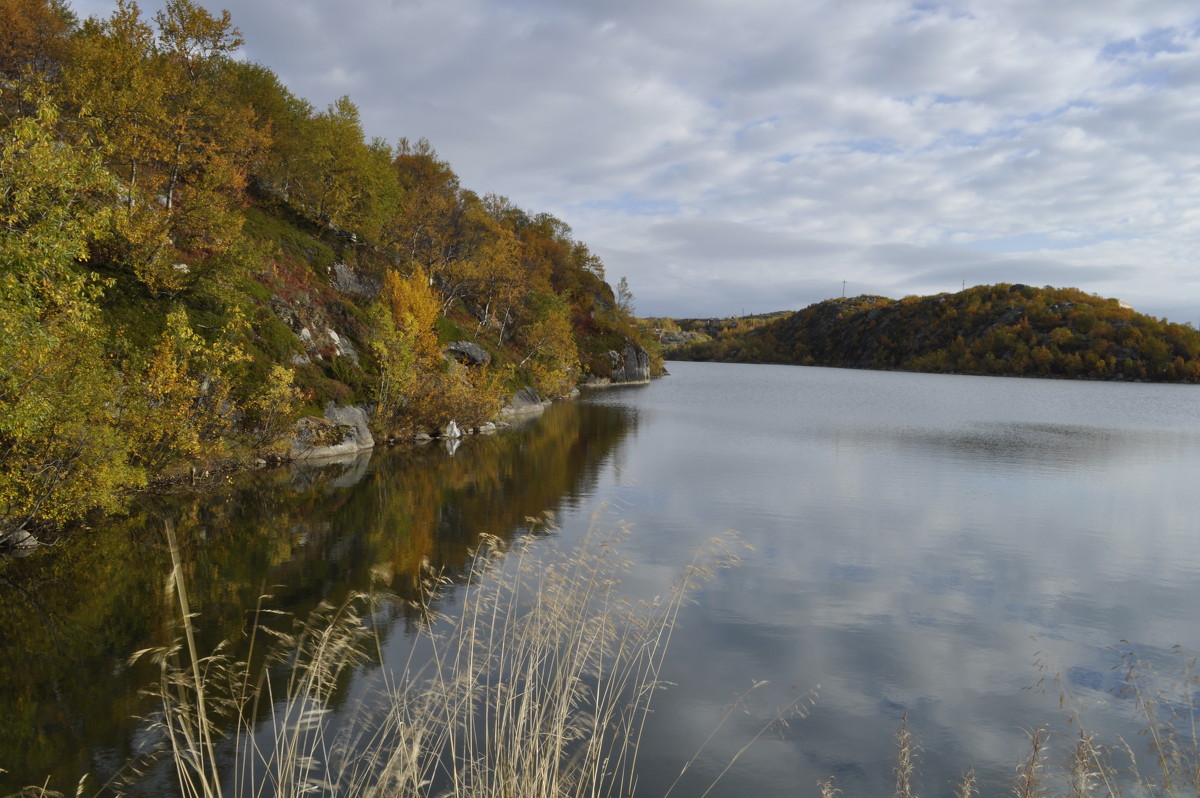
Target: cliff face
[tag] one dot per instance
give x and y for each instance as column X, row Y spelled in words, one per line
column 630, row 366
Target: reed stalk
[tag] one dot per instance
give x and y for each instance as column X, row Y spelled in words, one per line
column 538, row 686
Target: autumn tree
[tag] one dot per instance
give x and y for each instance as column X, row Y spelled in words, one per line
column 624, row 297
column 59, row 453
column 405, row 342
column 422, row 229
column 112, row 76
column 33, row 35
column 212, row 141
column 180, row 408
column 170, row 133
column 281, row 115
column 547, row 339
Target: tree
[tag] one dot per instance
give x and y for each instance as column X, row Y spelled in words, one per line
column 552, row 356
column 60, row 455
column 280, row 115
column 171, row 134
column 180, row 407
column 624, row 297
column 111, row 76
column 33, row 35
column 422, row 228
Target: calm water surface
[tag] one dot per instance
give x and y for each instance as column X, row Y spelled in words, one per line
column 921, row 541
column 920, row 544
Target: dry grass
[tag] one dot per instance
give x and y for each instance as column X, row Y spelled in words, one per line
column 539, row 684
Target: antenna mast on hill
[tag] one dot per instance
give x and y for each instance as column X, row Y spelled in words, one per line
column 843, row 289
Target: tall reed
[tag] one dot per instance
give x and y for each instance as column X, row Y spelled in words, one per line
column 539, row 684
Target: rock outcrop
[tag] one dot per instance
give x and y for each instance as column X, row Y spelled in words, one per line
column 467, row 352
column 343, row 432
column 523, row 402
column 630, row 366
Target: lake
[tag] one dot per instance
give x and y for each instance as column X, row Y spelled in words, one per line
column 924, row 547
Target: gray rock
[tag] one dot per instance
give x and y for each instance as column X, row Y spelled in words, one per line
column 353, row 416
column 629, row 366
column 347, row 281
column 342, row 433
column 343, row 346
column 523, row 402
column 20, row 541
column 467, row 352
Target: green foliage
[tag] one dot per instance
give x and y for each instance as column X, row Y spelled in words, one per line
column 59, row 455
column 271, row 411
column 197, row 191
column 180, row 409
column 997, row 329
column 552, row 356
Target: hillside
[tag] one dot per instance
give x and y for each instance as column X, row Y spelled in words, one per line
column 192, row 258
column 995, row 329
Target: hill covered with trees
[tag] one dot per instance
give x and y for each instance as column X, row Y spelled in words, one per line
column 192, row 257
column 991, row 329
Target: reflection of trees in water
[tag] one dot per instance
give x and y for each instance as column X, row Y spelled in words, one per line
column 69, row 618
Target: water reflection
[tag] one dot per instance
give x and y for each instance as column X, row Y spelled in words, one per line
column 69, row 618
column 912, row 535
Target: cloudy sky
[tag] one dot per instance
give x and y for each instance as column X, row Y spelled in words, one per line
column 751, row 155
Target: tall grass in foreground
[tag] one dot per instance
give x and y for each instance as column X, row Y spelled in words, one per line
column 539, row 684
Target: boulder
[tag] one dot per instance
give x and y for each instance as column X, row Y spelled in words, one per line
column 346, row 280
column 523, row 402
column 352, row 416
column 341, row 433
column 468, row 352
column 19, row 541
column 343, row 346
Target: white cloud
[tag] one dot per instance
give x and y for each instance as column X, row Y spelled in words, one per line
column 768, row 150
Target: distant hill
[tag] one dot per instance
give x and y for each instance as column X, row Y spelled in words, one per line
column 991, row 329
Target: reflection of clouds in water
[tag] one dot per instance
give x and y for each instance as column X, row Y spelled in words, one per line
column 904, row 562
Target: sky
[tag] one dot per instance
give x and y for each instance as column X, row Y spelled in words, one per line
column 747, row 156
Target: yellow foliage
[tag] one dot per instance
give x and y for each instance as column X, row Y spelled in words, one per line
column 414, row 308
column 552, row 356
column 418, row 389
column 270, row 412
column 59, row 453
column 393, row 351
column 180, row 406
